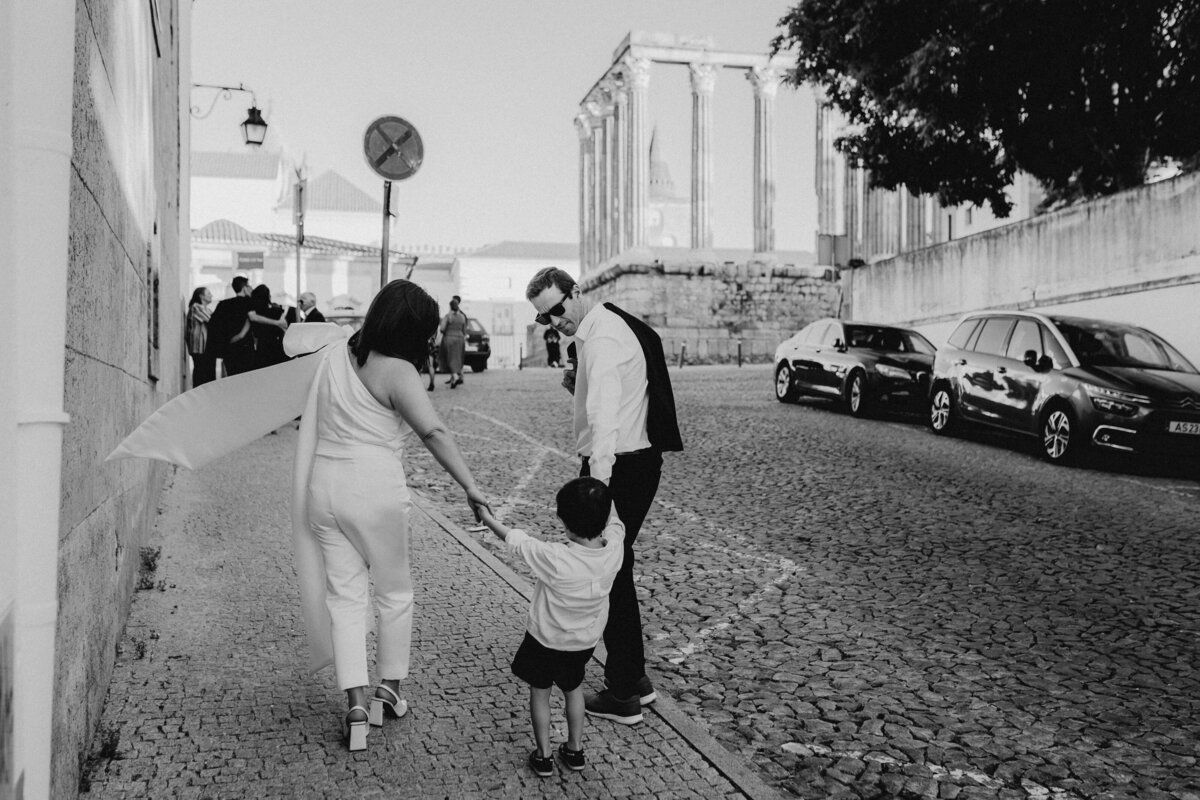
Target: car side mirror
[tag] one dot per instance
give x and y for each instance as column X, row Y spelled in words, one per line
column 839, row 345
column 1045, row 364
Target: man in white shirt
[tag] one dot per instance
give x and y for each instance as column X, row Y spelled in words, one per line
column 611, row 407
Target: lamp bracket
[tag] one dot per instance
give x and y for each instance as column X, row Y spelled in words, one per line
column 220, row 91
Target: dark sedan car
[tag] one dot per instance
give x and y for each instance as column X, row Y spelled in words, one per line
column 862, row 363
column 1072, row 382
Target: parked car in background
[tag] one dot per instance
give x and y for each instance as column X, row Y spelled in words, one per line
column 862, row 363
column 478, row 349
column 1074, row 383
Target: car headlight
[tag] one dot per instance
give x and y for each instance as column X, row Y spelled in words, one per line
column 888, row 371
column 1113, row 401
column 1095, row 391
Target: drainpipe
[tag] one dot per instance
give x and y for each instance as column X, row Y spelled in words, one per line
column 40, row 41
column 8, row 394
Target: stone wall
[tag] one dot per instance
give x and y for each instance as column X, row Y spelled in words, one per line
column 1134, row 256
column 708, row 306
column 124, row 241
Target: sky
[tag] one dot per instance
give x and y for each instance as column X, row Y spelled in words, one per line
column 493, row 87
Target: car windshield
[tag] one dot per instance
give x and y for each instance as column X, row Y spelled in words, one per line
column 892, row 340
column 1105, row 344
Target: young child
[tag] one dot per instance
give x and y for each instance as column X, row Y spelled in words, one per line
column 568, row 611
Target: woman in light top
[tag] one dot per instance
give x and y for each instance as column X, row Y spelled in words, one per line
column 204, row 367
column 367, row 396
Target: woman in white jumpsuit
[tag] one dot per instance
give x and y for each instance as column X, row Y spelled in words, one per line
column 368, row 395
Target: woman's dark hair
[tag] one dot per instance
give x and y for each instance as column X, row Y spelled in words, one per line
column 197, row 297
column 260, row 298
column 583, row 506
column 399, row 323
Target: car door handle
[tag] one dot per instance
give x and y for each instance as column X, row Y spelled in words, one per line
column 962, row 362
column 1002, row 370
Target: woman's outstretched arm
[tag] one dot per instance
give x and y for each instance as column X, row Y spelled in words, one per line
column 408, row 396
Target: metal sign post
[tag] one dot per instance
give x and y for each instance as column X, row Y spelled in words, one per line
column 394, row 151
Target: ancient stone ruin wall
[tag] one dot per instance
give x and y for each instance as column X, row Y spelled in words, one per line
column 709, row 307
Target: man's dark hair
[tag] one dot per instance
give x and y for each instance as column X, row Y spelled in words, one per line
column 583, row 506
column 547, row 277
column 398, row 324
column 239, row 283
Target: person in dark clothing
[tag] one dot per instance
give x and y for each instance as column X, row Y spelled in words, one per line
column 229, row 337
column 621, row 441
column 268, row 330
column 305, row 310
column 553, row 351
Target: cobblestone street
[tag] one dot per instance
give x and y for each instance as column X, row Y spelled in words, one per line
column 838, row 608
column 865, row 610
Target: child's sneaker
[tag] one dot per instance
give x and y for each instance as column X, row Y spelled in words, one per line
column 542, row 765
column 572, row 759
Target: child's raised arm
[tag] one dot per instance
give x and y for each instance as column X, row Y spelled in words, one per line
column 497, row 527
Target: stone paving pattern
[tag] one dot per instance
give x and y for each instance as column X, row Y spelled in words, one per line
column 859, row 609
column 863, row 609
column 209, row 703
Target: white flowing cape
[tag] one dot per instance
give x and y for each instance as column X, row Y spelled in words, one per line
column 213, row 420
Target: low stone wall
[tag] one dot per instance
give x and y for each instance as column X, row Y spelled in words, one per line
column 1134, row 256
column 708, row 307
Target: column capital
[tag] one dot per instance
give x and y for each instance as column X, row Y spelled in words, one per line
column 596, row 111
column 583, row 125
column 765, row 80
column 637, row 71
column 704, row 77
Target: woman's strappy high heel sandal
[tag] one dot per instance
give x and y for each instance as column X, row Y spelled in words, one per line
column 393, row 708
column 355, row 730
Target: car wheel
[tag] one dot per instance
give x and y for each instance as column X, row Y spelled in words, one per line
column 478, row 366
column 943, row 418
column 1059, row 435
column 785, row 384
column 855, row 395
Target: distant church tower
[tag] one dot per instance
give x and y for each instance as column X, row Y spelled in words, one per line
column 668, row 216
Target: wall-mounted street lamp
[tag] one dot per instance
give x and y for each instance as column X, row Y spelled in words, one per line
column 254, row 129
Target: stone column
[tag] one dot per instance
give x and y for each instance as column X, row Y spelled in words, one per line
column 829, row 177
column 766, row 84
column 584, row 129
column 704, row 78
column 638, row 72
column 600, row 131
column 620, row 172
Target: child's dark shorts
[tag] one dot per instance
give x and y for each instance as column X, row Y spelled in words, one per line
column 541, row 666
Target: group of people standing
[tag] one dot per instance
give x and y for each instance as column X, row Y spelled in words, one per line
column 244, row 331
column 353, row 500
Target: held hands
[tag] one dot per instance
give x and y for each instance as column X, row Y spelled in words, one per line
column 477, row 500
column 568, row 380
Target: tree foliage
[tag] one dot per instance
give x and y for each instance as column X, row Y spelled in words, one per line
column 952, row 97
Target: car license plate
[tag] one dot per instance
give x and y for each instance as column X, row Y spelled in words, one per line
column 473, row 347
column 1175, row 426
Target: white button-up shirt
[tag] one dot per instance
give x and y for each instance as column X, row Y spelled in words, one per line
column 570, row 598
column 611, row 400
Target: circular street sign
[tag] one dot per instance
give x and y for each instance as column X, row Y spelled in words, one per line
column 393, row 148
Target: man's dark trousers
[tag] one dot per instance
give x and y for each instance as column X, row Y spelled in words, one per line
column 633, row 484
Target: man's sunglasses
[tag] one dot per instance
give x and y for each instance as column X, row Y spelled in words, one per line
column 554, row 311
